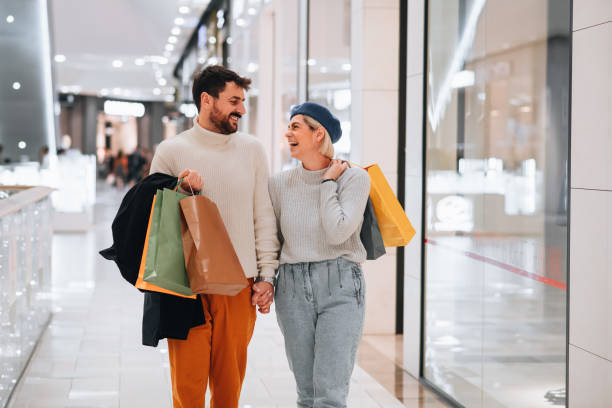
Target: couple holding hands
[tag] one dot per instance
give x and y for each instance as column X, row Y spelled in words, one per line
column 296, row 235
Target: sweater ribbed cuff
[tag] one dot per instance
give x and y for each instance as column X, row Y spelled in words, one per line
column 267, row 272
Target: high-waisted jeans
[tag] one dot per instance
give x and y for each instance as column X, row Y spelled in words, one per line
column 320, row 310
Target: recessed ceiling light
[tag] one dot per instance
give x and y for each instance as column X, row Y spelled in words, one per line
column 184, row 10
column 22, row 145
column 175, row 31
column 212, row 40
column 179, row 21
column 60, row 58
column 172, row 39
column 117, row 63
column 10, row 19
column 229, row 40
column 156, row 91
column 16, row 86
column 139, row 61
column 169, row 47
column 162, row 81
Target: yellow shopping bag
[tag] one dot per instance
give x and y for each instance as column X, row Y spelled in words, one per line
column 394, row 225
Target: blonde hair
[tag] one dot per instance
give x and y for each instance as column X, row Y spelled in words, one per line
column 327, row 147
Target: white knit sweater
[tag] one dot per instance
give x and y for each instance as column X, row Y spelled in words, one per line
column 235, row 172
column 320, row 221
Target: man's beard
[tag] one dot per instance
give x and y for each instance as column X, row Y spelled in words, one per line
column 222, row 123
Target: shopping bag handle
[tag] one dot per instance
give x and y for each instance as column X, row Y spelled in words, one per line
column 179, row 184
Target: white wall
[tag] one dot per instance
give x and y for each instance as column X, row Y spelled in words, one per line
column 414, row 177
column 374, row 87
column 590, row 356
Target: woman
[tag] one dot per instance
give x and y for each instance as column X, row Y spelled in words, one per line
column 320, row 289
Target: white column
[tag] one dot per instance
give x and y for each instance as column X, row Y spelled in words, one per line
column 590, row 355
column 374, row 118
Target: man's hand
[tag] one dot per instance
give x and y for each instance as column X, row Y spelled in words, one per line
column 192, row 181
column 263, row 296
column 335, row 170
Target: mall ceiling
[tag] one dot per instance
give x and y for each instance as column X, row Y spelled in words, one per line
column 121, row 48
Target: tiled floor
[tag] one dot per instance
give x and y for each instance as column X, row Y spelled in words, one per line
column 91, row 355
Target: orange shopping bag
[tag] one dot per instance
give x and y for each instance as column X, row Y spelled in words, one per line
column 394, row 225
column 140, row 283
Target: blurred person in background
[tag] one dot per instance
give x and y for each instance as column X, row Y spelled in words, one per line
column 120, row 170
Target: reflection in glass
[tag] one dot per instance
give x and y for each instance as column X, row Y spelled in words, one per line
column 496, row 204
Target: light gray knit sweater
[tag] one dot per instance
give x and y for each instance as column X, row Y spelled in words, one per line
column 318, row 221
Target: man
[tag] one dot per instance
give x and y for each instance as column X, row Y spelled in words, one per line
column 231, row 169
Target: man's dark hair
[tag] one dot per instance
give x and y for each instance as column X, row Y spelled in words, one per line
column 212, row 80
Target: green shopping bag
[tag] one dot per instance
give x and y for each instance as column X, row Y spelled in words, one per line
column 165, row 264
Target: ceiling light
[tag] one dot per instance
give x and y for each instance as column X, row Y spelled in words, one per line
column 212, row 40
column 10, row 19
column 156, row 91
column 172, row 39
column 201, row 60
column 117, row 63
column 346, row 67
column 252, row 67
column 139, row 61
column 312, row 62
column 188, row 109
column 16, row 86
column 252, row 11
column 162, row 81
column 119, row 108
column 60, row 58
column 229, row 40
column 179, row 21
column 175, row 31
column 241, row 22
column 22, row 145
column 184, row 10
column 169, row 47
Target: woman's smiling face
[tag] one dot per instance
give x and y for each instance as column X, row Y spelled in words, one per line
column 301, row 137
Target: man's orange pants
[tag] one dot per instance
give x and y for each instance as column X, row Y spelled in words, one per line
column 214, row 352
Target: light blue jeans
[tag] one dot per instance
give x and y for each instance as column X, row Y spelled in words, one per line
column 320, row 310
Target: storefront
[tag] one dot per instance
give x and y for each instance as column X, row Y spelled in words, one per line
column 495, row 168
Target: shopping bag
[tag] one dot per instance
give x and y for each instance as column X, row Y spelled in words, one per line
column 210, row 259
column 165, row 265
column 140, row 283
column 370, row 235
column 394, row 225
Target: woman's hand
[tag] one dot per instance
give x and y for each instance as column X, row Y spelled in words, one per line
column 263, row 296
column 335, row 170
column 192, row 181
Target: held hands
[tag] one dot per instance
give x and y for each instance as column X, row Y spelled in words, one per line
column 263, row 296
column 192, row 181
column 336, row 169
